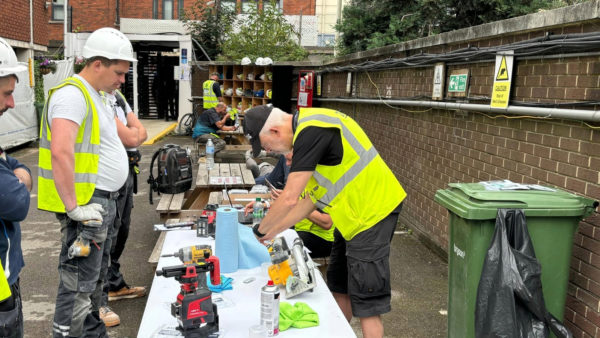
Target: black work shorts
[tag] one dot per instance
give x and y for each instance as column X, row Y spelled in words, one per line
column 361, row 267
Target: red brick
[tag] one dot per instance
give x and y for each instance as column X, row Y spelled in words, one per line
column 567, row 81
column 559, row 155
column 533, row 81
column 587, row 81
column 539, row 92
column 558, row 68
column 575, row 94
column 567, row 169
column 588, row 175
column 557, row 180
column 550, row 141
column 556, row 93
column 575, row 68
column 548, row 165
column 592, row 94
column 542, row 69
column 567, row 143
column 575, row 185
column 593, row 68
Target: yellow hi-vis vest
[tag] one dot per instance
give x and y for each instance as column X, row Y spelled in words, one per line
column 210, row 98
column 308, row 226
column 361, row 190
column 4, row 287
column 87, row 150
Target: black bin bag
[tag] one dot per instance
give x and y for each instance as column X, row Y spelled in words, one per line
column 510, row 302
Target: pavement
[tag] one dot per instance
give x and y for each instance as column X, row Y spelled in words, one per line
column 419, row 277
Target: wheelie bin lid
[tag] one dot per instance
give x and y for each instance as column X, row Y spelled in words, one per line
column 476, row 201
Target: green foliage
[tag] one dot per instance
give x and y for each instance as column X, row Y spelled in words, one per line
column 263, row 33
column 39, row 83
column 208, row 25
column 369, row 24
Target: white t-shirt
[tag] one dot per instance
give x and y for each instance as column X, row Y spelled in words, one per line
column 121, row 115
column 69, row 103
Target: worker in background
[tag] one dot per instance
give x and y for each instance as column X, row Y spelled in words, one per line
column 132, row 133
column 211, row 91
column 316, row 231
column 16, row 183
column 82, row 166
column 209, row 122
column 344, row 175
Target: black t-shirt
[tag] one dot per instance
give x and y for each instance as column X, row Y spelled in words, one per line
column 317, row 145
column 209, row 118
column 217, row 89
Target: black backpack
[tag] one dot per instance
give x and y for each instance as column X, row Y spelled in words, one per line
column 174, row 171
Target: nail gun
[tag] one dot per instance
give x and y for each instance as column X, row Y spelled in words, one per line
column 196, row 315
column 292, row 268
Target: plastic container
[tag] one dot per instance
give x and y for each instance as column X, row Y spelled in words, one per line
column 210, row 154
column 258, row 211
column 552, row 219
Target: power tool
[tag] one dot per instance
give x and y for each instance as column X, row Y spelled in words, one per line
column 194, row 310
column 192, row 254
column 292, row 268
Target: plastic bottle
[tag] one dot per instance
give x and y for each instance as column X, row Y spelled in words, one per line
column 258, row 211
column 237, row 121
column 210, row 154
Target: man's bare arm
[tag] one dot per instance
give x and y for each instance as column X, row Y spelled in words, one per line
column 62, row 147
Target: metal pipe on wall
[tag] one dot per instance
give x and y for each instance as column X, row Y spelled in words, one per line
column 560, row 113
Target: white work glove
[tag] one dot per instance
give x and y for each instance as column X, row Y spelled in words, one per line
column 90, row 212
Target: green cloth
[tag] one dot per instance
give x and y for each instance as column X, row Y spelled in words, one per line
column 299, row 316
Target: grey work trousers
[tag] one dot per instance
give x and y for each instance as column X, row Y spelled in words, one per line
column 80, row 286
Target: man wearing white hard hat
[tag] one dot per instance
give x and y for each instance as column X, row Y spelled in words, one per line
column 15, row 180
column 82, row 165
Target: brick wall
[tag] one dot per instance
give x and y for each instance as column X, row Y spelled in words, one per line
column 15, row 21
column 429, row 148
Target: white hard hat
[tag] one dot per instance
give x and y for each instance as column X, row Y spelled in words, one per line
column 250, row 76
column 259, row 61
column 229, row 91
column 239, row 92
column 267, row 61
column 8, row 60
column 246, row 61
column 109, row 43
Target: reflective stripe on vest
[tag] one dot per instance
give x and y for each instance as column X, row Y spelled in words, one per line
column 210, row 98
column 86, row 154
column 361, row 190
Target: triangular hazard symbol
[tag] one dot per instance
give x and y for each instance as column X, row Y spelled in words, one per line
column 502, row 71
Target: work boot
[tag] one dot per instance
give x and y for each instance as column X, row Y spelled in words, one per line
column 127, row 292
column 109, row 317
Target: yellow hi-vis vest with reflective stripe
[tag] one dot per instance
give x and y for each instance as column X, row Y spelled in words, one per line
column 210, row 98
column 5, row 291
column 361, row 190
column 308, row 226
column 87, row 150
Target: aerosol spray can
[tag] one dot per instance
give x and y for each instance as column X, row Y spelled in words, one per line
column 269, row 308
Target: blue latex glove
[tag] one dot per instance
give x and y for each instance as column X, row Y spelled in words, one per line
column 225, row 284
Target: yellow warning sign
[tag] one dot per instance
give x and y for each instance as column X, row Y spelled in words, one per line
column 502, row 74
column 502, row 82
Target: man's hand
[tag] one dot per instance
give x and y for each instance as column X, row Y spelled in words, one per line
column 249, row 208
column 92, row 211
column 24, row 177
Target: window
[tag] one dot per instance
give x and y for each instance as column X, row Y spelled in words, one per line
column 229, row 5
column 58, row 10
column 248, row 5
column 155, row 9
column 180, row 9
column 168, row 9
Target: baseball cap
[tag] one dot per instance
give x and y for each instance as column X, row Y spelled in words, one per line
column 254, row 120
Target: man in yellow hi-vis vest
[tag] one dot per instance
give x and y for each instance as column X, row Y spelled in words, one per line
column 334, row 160
column 211, row 91
column 15, row 180
column 82, row 165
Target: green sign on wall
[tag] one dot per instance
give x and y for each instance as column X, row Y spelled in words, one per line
column 458, row 83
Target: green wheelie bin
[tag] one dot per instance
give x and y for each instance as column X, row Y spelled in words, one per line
column 552, row 217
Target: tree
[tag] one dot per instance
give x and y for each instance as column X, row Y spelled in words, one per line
column 262, row 33
column 208, row 25
column 369, row 24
